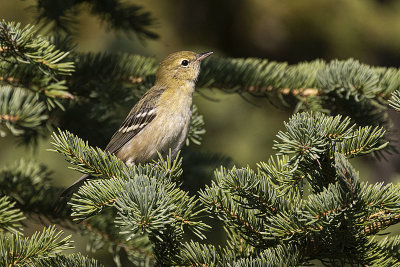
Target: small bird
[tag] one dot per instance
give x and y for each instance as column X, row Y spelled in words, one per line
column 160, row 120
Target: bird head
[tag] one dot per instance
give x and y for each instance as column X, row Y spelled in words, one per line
column 183, row 66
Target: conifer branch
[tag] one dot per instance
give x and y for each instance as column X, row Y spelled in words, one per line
column 124, row 17
column 119, row 71
column 99, row 163
column 222, row 205
column 91, row 226
column 104, row 235
column 253, row 190
column 308, row 136
column 93, row 196
column 148, row 205
column 62, row 260
column 286, row 255
column 25, row 46
column 18, row 251
column 386, row 251
column 147, row 199
column 30, row 78
column 236, row 245
column 320, row 210
column 170, row 167
column 116, row 14
column 97, row 194
column 341, row 206
column 196, row 254
column 358, row 90
column 374, row 225
column 313, row 139
column 282, row 175
column 29, row 61
column 394, row 102
column 87, row 159
column 368, row 139
column 315, row 78
column 167, row 245
column 196, row 129
column 21, row 112
column 29, row 185
column 382, row 204
column 10, row 217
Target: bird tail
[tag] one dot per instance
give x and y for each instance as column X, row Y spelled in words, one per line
column 61, row 206
column 70, row 190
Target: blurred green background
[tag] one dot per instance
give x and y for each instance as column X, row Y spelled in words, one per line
column 286, row 30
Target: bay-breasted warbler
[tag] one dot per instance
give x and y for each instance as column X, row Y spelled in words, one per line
column 160, row 120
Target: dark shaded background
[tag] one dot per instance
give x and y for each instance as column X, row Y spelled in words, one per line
column 286, row 30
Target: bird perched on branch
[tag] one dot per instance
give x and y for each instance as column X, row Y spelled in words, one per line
column 161, row 119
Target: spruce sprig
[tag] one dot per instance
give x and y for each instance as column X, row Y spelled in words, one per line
column 10, row 217
column 25, row 46
column 17, row 250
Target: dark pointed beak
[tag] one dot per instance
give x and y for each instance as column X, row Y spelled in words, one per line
column 202, row 56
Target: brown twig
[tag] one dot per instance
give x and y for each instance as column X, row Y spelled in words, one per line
column 10, row 118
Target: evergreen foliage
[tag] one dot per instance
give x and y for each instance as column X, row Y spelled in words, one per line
column 40, row 250
column 266, row 209
column 116, row 14
column 263, row 210
column 10, row 217
column 146, row 198
column 21, row 112
column 29, row 185
column 304, row 204
column 394, row 102
column 73, row 260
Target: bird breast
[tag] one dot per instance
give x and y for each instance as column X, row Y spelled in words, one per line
column 167, row 131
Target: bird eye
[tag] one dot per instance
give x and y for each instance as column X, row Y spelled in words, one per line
column 184, row 62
